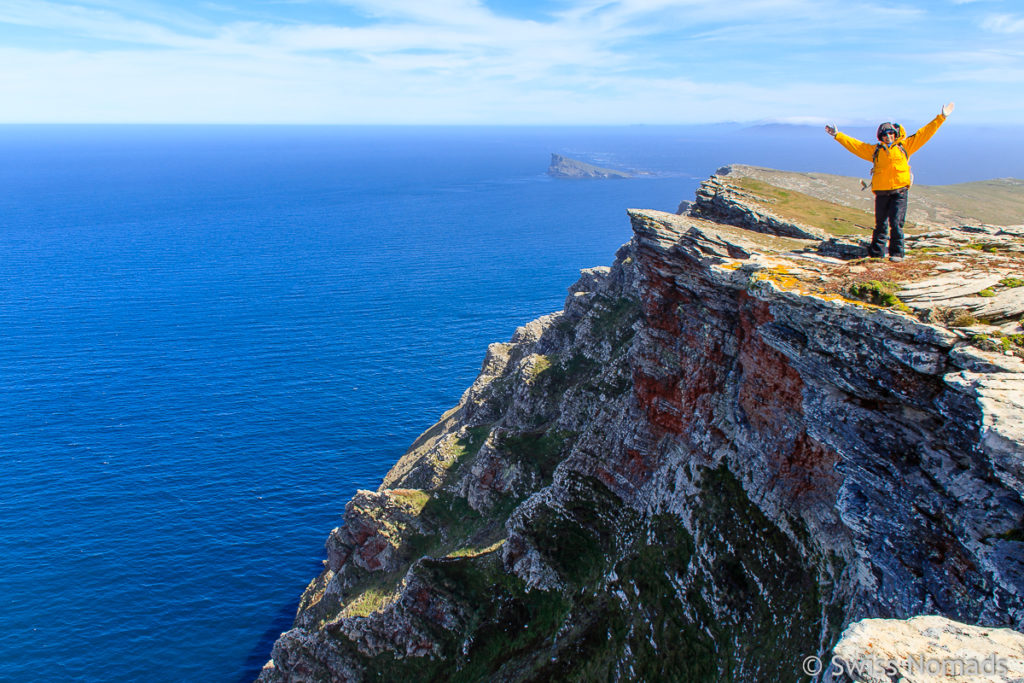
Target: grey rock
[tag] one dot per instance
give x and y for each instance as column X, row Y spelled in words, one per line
column 955, row 289
column 973, row 359
column 925, row 649
column 709, row 452
column 844, row 249
column 1005, row 305
column 721, row 201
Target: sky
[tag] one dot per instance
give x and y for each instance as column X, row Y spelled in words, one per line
column 497, row 62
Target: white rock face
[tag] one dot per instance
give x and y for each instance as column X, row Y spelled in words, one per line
column 926, row 649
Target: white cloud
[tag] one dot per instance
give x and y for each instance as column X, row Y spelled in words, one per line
column 90, row 22
column 1003, row 23
column 456, row 61
column 162, row 87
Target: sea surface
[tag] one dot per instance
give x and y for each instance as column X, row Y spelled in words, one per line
column 210, row 337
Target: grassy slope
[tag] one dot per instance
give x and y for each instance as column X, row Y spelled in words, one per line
column 997, row 202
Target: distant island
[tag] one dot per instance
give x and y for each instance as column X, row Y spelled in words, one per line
column 564, row 167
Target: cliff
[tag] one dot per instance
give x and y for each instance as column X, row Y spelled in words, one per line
column 731, row 445
column 564, row 167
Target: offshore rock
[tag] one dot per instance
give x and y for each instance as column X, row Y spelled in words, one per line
column 723, row 451
column 564, row 167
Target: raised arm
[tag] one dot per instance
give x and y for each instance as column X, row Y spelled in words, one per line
column 917, row 140
column 861, row 149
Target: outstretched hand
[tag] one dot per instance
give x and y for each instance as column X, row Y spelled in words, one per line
column 947, row 109
column 831, row 130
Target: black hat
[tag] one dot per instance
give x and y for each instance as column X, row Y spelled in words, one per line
column 888, row 128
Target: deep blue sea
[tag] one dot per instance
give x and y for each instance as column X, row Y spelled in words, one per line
column 210, row 337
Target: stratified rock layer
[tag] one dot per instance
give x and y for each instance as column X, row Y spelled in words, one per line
column 704, row 468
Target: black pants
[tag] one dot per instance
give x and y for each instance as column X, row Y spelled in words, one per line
column 890, row 214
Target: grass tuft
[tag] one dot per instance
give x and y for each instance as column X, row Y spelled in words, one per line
column 878, row 292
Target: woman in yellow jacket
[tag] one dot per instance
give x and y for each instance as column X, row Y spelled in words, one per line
column 890, row 177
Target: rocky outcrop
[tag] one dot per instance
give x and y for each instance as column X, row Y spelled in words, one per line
column 923, row 650
column 722, row 201
column 716, row 458
column 564, row 167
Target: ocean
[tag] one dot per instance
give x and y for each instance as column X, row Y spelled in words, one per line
column 211, row 337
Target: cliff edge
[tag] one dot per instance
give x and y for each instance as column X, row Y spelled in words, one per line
column 730, row 448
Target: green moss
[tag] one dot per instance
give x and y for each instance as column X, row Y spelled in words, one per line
column 376, row 595
column 999, row 342
column 538, row 451
column 514, row 631
column 564, row 326
column 539, row 367
column 986, row 293
column 451, row 516
column 774, row 608
column 615, row 322
column 541, row 377
column 561, row 374
column 413, row 498
column 878, row 292
column 1011, row 282
column 580, row 536
column 566, row 373
column 452, row 525
column 745, row 607
column 1010, row 343
column 873, row 289
column 653, row 576
column 634, row 627
column 466, row 447
column 500, row 630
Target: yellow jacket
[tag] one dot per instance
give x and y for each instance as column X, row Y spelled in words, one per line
column 892, row 168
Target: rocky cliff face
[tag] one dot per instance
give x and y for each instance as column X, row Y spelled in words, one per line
column 712, row 461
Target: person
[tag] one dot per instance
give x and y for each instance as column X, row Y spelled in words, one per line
column 890, row 177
